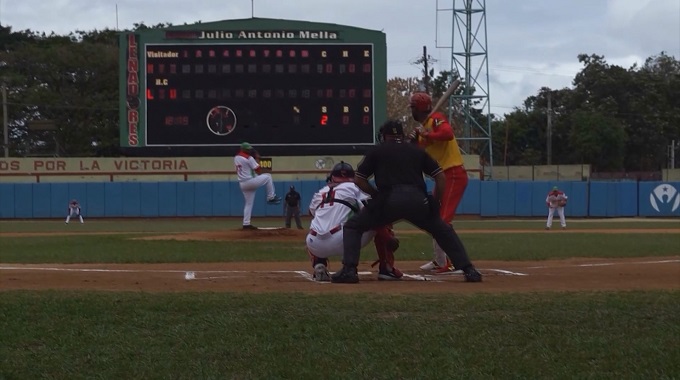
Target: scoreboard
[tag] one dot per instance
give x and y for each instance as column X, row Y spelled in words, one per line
column 295, row 91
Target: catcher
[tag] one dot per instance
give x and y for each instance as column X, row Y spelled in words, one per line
column 331, row 207
column 556, row 200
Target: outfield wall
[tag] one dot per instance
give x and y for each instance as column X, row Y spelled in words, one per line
column 224, row 198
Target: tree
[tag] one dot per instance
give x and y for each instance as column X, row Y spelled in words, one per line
column 598, row 139
column 70, row 81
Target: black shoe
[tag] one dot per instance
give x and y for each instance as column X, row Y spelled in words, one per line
column 249, row 227
column 346, row 275
column 472, row 274
column 274, row 201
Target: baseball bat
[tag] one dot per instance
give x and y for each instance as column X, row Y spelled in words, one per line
column 445, row 97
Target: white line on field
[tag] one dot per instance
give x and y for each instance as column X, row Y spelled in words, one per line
column 605, row 264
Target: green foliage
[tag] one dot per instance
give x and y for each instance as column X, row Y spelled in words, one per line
column 82, row 335
column 598, row 139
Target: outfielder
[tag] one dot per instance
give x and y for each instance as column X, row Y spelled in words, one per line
column 556, row 200
column 249, row 179
column 73, row 210
column 331, row 207
column 436, row 136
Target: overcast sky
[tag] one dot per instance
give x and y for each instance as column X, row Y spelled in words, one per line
column 531, row 43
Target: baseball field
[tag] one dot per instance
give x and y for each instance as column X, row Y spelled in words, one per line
column 202, row 299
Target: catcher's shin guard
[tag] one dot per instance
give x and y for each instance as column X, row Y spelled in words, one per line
column 317, row 260
column 385, row 245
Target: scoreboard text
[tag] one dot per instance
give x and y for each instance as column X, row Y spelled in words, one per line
column 200, row 94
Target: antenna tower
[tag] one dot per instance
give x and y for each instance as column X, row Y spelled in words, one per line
column 470, row 60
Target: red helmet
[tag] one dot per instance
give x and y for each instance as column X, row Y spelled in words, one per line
column 421, row 101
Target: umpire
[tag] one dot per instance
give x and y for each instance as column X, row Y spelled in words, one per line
column 401, row 194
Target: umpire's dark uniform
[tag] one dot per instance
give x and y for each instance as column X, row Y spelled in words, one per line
column 401, row 194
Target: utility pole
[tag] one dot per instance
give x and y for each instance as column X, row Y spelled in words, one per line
column 252, row 8
column 672, row 158
column 549, row 132
column 426, row 79
column 5, row 126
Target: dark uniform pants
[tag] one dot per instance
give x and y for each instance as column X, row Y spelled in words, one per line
column 402, row 202
column 293, row 211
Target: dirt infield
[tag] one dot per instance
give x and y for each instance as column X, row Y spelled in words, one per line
column 500, row 276
column 562, row 275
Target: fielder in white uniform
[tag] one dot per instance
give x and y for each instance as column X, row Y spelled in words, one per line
column 556, row 200
column 331, row 207
column 74, row 210
column 249, row 179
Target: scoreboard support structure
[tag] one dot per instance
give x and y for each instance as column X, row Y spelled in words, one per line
column 292, row 88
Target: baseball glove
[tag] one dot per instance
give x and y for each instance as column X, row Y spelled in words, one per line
column 562, row 203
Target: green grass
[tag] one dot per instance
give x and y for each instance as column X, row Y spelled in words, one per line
column 498, row 246
column 292, row 336
column 216, row 224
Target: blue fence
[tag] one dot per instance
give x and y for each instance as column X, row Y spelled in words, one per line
column 171, row 199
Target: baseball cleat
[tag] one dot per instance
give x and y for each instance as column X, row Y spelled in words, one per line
column 274, row 200
column 346, row 275
column 321, row 273
column 390, row 275
column 430, row 266
column 249, row 227
column 472, row 274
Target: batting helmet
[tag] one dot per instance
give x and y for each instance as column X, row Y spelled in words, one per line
column 421, row 101
column 342, row 170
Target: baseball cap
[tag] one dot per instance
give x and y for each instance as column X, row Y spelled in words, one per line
column 555, row 188
column 246, row 146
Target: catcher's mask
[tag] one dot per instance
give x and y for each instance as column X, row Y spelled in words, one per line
column 342, row 172
column 392, row 130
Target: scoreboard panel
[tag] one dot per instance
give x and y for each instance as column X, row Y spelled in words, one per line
column 292, row 94
column 295, row 87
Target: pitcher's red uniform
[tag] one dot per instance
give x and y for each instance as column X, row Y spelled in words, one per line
column 436, row 136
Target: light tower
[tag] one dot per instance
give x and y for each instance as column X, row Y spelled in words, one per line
column 470, row 60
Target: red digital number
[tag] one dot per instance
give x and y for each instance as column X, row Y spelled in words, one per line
column 149, row 68
column 211, row 53
column 291, row 53
column 329, row 68
column 199, row 54
column 169, row 120
column 366, row 120
column 345, row 119
column 149, row 94
column 253, row 53
column 239, row 53
column 173, row 93
column 352, row 68
column 305, row 53
column 324, row 119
